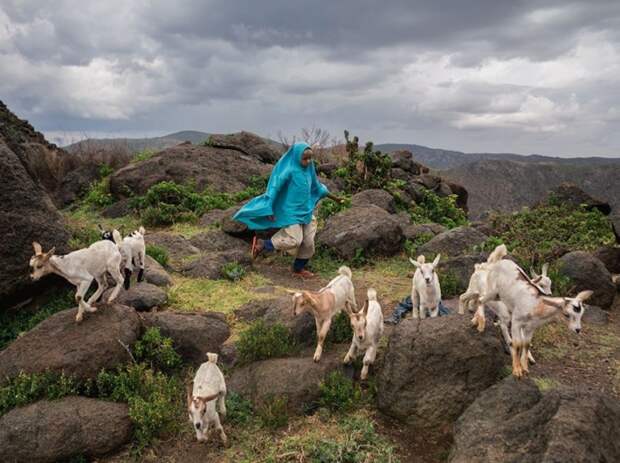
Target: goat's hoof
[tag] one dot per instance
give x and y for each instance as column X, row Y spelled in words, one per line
column 79, row 318
column 316, row 358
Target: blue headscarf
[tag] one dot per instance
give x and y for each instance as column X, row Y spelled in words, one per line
column 292, row 194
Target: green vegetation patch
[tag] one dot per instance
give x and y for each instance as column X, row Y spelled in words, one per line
column 260, row 341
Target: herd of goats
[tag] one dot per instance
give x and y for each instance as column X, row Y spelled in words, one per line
column 521, row 304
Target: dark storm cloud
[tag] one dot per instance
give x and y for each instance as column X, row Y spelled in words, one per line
column 479, row 75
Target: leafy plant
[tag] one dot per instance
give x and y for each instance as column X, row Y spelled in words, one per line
column 158, row 253
column 330, row 207
column 338, row 393
column 411, row 246
column 156, row 350
column 273, row 412
column 98, row 195
column 489, row 244
column 450, row 284
column 239, row 411
column 261, row 341
column 233, row 271
column 143, row 155
column 340, row 330
column 438, row 209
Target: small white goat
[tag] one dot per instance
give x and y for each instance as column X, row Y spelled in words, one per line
column 425, row 290
column 367, row 327
column 133, row 251
column 207, row 398
column 80, row 268
column 326, row 303
column 527, row 305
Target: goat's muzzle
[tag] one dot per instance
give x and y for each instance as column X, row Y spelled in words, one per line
column 197, row 425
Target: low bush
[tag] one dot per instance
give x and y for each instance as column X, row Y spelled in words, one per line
column 261, row 341
column 338, row 393
column 156, row 350
column 330, row 207
column 233, row 271
column 273, row 412
column 439, row 209
column 143, row 155
column 450, row 284
column 239, row 410
column 158, row 253
column 340, row 330
column 411, row 246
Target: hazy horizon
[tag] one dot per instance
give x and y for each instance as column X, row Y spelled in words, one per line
column 483, row 76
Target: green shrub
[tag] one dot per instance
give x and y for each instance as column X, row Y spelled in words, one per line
column 561, row 285
column 98, row 194
column 544, row 233
column 83, row 236
column 489, row 244
column 260, row 341
column 233, row 271
column 238, row 409
column 438, row 209
column 450, row 284
column 364, row 169
column 330, row 207
column 338, row 393
column 14, row 323
column 143, row 155
column 325, row 262
column 156, row 350
column 411, row 246
column 158, row 253
column 340, row 330
column 273, row 412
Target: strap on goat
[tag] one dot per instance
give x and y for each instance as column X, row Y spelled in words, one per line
column 529, row 280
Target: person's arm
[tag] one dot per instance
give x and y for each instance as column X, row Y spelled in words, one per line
column 333, row 197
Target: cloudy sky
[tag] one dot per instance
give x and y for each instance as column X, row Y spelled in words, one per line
column 479, row 75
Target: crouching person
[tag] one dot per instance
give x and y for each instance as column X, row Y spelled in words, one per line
column 292, row 194
column 207, row 400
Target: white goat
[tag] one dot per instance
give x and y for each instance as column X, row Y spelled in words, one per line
column 133, row 251
column 526, row 304
column 80, row 268
column 367, row 327
column 207, row 398
column 326, row 303
column 425, row 290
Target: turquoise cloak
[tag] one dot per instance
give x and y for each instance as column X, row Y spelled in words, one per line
column 291, row 196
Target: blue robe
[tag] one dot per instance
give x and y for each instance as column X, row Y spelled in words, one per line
column 292, row 194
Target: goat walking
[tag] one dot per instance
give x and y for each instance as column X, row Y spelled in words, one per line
column 133, row 252
column 425, row 290
column 367, row 325
column 80, row 268
column 326, row 303
column 207, row 400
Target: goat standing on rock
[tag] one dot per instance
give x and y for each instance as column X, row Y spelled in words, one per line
column 425, row 291
column 367, row 325
column 80, row 268
column 133, row 252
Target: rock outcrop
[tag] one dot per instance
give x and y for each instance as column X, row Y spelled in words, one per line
column 587, row 272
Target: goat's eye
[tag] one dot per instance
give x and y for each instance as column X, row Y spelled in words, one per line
column 577, row 308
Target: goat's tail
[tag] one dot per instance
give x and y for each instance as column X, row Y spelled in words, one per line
column 498, row 254
column 117, row 236
column 345, row 271
column 212, row 357
column 372, row 294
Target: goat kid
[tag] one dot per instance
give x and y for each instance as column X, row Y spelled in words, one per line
column 80, row 268
column 527, row 306
column 425, row 290
column 207, row 400
column 133, row 251
column 326, row 303
column 367, row 325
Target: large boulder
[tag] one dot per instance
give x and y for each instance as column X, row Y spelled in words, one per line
column 460, row 268
column 587, row 272
column 77, row 182
column 56, row 431
column 377, row 197
column 366, row 228
column 574, row 196
column 27, row 213
column 455, row 242
column 514, row 422
column 417, row 231
column 155, row 274
column 194, row 334
column 280, row 310
column 141, row 296
column 59, row 344
column 216, row 168
column 404, row 160
column 297, row 379
column 179, row 249
column 610, row 257
column 433, row 369
column 263, row 149
column 217, row 249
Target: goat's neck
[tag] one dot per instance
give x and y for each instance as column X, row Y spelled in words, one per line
column 62, row 267
column 545, row 312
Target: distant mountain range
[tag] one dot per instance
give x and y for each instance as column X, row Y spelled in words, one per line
column 138, row 144
column 447, row 159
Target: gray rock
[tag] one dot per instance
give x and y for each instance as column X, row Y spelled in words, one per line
column 380, row 198
column 587, row 272
column 177, row 246
column 416, row 230
column 194, row 334
column 141, row 296
column 366, row 228
column 155, row 274
column 433, row 369
column 59, row 344
column 610, row 257
column 514, row 422
column 455, row 242
column 211, row 265
column 56, row 431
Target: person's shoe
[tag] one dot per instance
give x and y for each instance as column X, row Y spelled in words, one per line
column 304, row 274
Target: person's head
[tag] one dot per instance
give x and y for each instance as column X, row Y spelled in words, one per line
column 306, row 157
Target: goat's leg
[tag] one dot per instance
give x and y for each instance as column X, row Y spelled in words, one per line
column 79, row 298
column 351, row 355
column 202, row 434
column 479, row 318
column 462, row 304
column 415, row 303
column 221, row 404
column 101, row 286
column 118, row 278
column 322, row 334
column 220, row 429
column 369, row 359
column 141, row 265
column 516, row 349
column 435, row 312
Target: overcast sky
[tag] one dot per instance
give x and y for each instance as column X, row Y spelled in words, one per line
column 473, row 75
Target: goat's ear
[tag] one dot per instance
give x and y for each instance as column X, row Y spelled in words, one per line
column 545, row 269
column 436, row 261
column 50, row 253
column 347, row 308
column 365, row 308
column 584, row 295
column 100, row 228
column 556, row 302
column 414, row 262
column 189, row 397
column 38, row 250
column 533, row 273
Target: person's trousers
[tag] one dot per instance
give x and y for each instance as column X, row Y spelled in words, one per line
column 297, row 240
